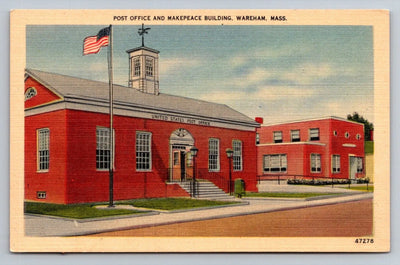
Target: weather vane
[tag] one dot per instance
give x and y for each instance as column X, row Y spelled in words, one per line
column 142, row 31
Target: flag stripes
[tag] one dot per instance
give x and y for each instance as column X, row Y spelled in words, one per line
column 92, row 45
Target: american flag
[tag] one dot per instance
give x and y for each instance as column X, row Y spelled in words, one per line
column 92, row 44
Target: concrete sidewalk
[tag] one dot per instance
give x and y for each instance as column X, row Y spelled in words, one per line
column 53, row 226
column 283, row 187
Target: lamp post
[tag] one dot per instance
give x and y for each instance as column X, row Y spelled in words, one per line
column 193, row 152
column 229, row 154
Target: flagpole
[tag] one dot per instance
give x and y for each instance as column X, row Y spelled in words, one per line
column 111, row 96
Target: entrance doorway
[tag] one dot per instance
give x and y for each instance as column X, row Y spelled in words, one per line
column 181, row 168
column 352, row 167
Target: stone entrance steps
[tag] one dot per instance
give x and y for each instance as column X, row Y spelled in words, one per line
column 207, row 190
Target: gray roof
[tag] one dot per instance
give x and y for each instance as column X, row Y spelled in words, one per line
column 68, row 86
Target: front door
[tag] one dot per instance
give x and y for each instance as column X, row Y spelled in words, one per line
column 178, row 163
column 353, row 167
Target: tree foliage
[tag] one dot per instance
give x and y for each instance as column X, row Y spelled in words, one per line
column 368, row 126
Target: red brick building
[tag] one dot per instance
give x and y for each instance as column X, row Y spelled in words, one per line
column 317, row 148
column 67, row 150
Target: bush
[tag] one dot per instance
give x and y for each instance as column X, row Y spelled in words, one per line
column 362, row 180
column 317, row 181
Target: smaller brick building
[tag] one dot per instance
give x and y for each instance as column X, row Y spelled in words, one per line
column 329, row 147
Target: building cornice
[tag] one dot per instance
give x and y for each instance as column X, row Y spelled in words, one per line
column 138, row 111
column 292, row 143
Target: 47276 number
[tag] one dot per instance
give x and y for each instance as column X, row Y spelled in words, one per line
column 364, row 241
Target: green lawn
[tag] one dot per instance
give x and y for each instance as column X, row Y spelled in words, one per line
column 173, row 203
column 287, row 195
column 87, row 210
column 77, row 211
column 362, row 188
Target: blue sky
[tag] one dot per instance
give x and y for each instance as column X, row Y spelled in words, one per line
column 279, row 73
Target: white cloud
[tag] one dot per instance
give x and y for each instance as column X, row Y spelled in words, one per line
column 266, row 93
column 168, row 65
column 307, row 73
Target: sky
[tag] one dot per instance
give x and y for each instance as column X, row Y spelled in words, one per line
column 279, row 73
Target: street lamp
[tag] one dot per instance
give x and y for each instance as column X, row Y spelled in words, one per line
column 193, row 152
column 229, row 154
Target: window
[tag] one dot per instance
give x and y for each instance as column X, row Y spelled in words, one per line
column 358, row 136
column 295, row 135
column 237, row 155
column 315, row 163
column 275, row 163
column 359, row 165
column 334, row 133
column 143, row 151
column 149, row 67
column 335, row 163
column 43, row 155
column 41, row 194
column 278, row 137
column 213, row 154
column 314, row 134
column 176, row 158
column 189, row 159
column 103, row 148
column 30, row 93
column 347, row 135
column 136, row 66
column 257, row 138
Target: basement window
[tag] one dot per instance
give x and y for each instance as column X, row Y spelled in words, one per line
column 41, row 194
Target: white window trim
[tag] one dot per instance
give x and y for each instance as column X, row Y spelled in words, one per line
column 150, row 152
column 218, row 155
column 108, row 129
column 311, row 161
column 280, row 164
column 38, row 131
column 309, row 134
column 334, row 164
column 279, row 139
column 291, row 135
column 240, row 155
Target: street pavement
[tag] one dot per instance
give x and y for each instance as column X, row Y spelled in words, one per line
column 36, row 225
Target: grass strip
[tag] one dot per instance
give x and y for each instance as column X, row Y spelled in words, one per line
column 287, row 195
column 362, row 188
column 76, row 211
column 173, row 203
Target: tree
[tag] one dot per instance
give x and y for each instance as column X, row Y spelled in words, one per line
column 368, row 126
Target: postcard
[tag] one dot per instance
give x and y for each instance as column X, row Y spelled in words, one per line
column 199, row 131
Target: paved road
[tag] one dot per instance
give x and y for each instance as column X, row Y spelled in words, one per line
column 47, row 226
column 350, row 219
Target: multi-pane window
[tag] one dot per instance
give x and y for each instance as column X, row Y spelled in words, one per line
column 143, row 151
column 275, row 163
column 189, row 159
column 295, row 135
column 176, row 158
column 315, row 163
column 103, row 152
column 149, row 67
column 213, row 154
column 314, row 134
column 359, row 165
column 237, row 155
column 257, row 138
column 43, row 138
column 335, row 163
column 278, row 137
column 136, row 67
